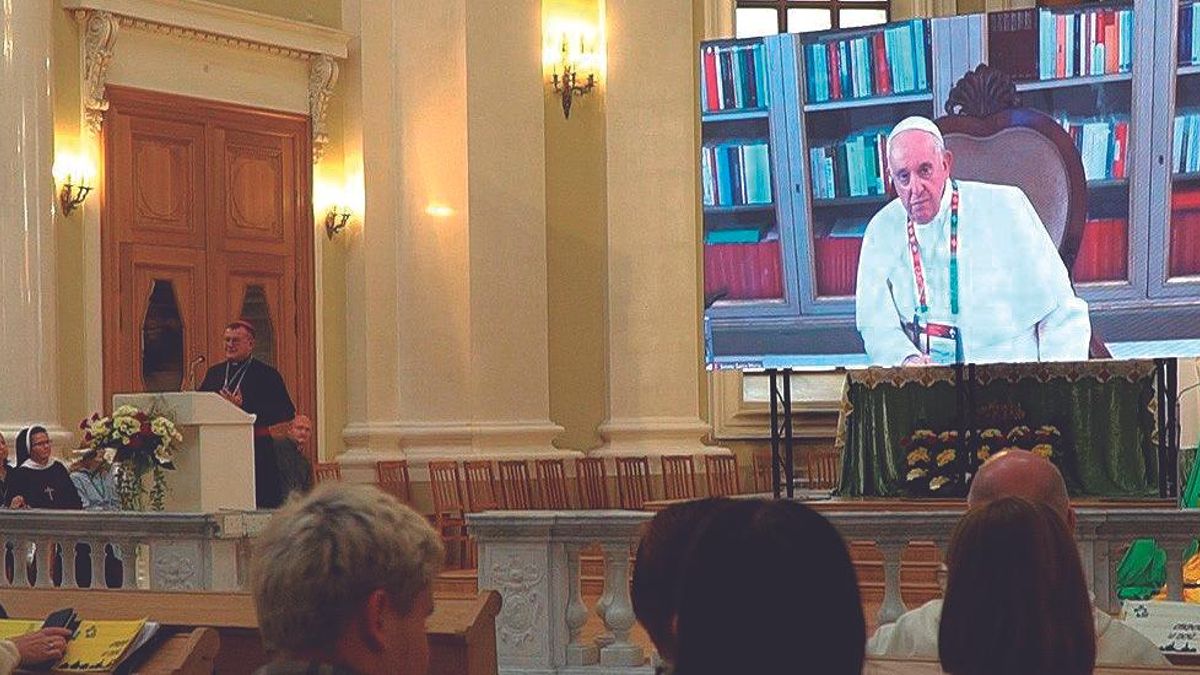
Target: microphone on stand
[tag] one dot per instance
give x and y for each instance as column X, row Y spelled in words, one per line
column 190, row 385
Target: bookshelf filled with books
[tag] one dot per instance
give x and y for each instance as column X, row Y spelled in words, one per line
column 1076, row 64
column 857, row 84
column 744, row 253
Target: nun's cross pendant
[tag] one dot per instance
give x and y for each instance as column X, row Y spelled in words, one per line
column 49, row 492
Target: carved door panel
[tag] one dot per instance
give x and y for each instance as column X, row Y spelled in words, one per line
column 162, row 320
column 254, row 210
column 156, row 170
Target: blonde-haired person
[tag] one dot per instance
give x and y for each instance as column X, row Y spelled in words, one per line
column 343, row 583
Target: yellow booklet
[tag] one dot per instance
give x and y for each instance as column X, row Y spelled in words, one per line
column 97, row 645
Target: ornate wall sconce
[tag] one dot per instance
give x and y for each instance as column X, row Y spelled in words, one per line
column 572, row 54
column 336, row 219
column 76, row 178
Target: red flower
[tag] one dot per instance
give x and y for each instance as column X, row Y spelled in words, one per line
column 83, row 423
column 141, row 417
column 145, row 428
column 135, row 443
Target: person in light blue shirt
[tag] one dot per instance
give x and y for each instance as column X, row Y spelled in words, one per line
column 94, row 479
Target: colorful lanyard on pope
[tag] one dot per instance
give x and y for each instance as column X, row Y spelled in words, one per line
column 919, row 274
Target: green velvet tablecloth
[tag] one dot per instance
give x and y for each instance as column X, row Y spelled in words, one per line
column 1104, row 409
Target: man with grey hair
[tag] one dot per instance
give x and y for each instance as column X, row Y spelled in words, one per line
column 959, row 271
column 343, row 584
column 1014, row 473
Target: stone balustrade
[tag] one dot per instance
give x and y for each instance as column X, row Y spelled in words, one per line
column 158, row 551
column 533, row 559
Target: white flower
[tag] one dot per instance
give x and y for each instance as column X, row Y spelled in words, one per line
column 109, row 454
column 125, row 411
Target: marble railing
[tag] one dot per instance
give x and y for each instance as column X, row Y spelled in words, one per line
column 533, row 559
column 158, row 551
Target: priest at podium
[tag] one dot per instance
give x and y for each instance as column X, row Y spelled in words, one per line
column 258, row 389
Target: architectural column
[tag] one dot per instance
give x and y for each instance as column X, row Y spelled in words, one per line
column 29, row 369
column 447, row 278
column 506, row 182
column 654, row 342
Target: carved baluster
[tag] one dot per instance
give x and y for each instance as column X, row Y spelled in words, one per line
column 893, row 602
column 99, row 579
column 618, row 618
column 578, row 653
column 69, row 554
column 44, row 562
column 602, row 605
column 134, row 562
column 24, row 556
column 8, row 563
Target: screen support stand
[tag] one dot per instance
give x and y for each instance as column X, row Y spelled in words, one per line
column 782, row 441
column 1166, row 385
column 964, row 408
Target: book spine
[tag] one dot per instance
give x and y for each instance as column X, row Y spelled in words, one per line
column 750, row 77
column 810, row 71
column 739, row 86
column 883, row 80
column 1112, row 48
column 1185, row 34
column 712, row 92
column 728, row 97
column 920, row 53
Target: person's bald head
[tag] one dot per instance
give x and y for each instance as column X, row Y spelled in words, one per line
column 1017, row 473
column 300, row 430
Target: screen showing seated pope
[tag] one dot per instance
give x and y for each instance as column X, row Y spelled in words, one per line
column 867, row 203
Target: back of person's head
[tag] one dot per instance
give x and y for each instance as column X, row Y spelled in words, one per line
column 659, row 564
column 1019, row 473
column 333, row 567
column 1016, row 600
column 768, row 587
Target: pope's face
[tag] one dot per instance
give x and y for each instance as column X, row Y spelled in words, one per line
column 919, row 170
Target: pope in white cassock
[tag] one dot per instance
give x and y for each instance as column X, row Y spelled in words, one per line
column 961, row 272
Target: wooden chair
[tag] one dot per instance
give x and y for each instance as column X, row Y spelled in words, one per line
column 552, row 483
column 985, row 127
column 449, row 511
column 482, row 492
column 824, row 468
column 679, row 477
column 392, row 478
column 762, row 472
column 721, row 475
column 592, row 480
column 516, row 485
column 633, row 482
column 326, row 471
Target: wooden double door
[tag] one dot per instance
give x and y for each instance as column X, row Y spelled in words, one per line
column 206, row 218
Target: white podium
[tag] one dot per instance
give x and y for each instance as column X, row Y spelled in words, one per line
column 214, row 467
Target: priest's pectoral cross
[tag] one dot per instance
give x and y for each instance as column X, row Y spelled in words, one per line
column 49, row 492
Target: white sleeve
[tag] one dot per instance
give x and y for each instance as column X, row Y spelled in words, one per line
column 10, row 658
column 874, row 309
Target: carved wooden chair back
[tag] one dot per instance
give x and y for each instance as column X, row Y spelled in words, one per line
column 592, row 480
column 721, row 475
column 633, row 482
column 552, row 483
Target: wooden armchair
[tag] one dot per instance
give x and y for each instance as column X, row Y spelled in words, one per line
column 985, row 128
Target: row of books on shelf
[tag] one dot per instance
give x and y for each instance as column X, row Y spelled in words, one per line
column 855, row 167
column 1092, row 42
column 745, row 271
column 1185, row 143
column 1189, row 34
column 734, row 76
column 1103, row 146
column 736, row 173
column 893, row 60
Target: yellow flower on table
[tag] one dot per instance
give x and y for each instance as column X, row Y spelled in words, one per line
column 945, row 457
column 938, row 482
column 983, row 453
column 918, row 455
column 915, row 474
column 1043, row 450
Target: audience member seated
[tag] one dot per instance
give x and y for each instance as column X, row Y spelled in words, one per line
column 1022, row 474
column 768, row 587
column 93, row 477
column 657, row 568
column 40, row 482
column 33, row 649
column 1016, row 599
column 343, row 583
column 295, row 473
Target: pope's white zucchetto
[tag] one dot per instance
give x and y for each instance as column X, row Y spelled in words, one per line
column 916, row 123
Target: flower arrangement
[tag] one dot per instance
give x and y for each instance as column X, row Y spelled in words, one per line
column 935, row 465
column 138, row 443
